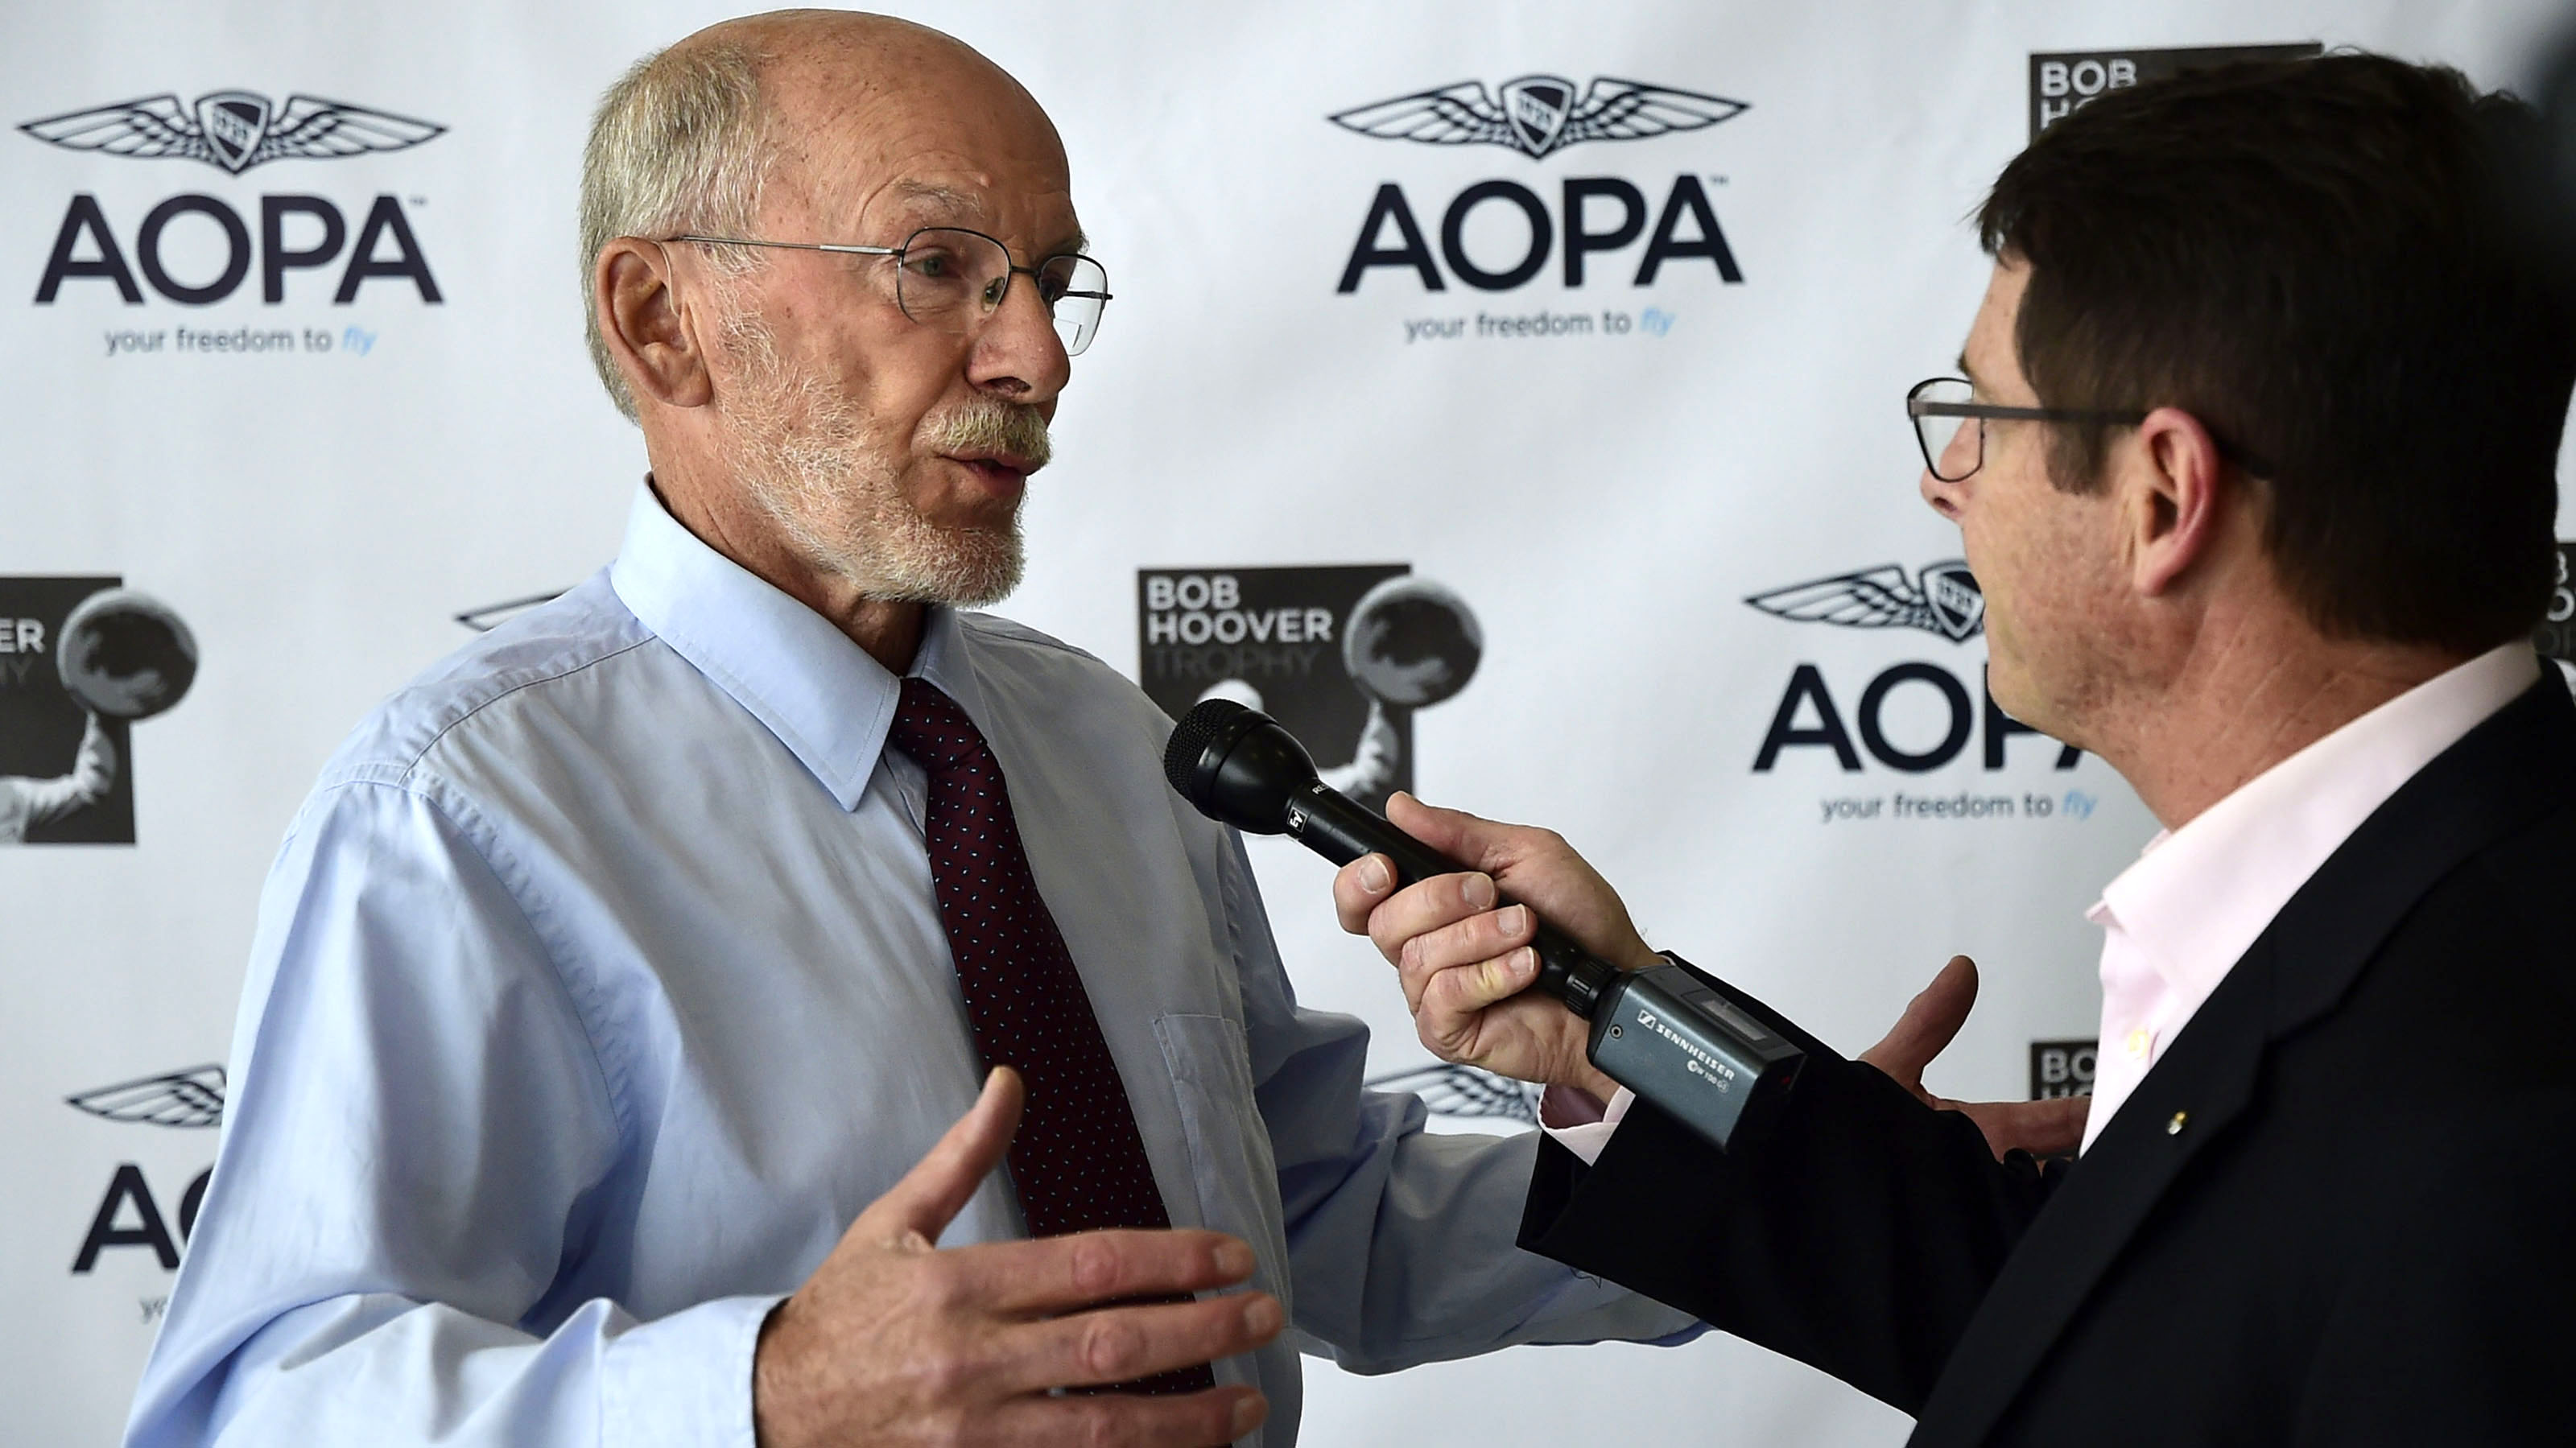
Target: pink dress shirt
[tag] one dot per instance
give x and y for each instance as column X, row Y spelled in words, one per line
column 2176, row 922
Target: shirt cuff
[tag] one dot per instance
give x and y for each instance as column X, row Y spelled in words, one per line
column 1586, row 1138
column 686, row 1378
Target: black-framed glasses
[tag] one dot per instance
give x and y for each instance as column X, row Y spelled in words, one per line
column 953, row 279
column 1940, row 406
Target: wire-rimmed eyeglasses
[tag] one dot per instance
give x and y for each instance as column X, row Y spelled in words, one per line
column 954, row 279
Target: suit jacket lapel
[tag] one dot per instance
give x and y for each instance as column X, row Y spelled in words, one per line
column 2506, row 772
column 2182, row 1105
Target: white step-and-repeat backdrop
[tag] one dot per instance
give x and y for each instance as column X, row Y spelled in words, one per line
column 1506, row 393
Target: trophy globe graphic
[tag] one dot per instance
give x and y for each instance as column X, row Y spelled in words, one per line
column 124, row 654
column 1411, row 643
column 1408, row 643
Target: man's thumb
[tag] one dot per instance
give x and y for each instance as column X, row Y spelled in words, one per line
column 1931, row 1019
column 1453, row 832
column 937, row 1188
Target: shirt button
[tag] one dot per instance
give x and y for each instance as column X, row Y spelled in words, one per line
column 2139, row 1041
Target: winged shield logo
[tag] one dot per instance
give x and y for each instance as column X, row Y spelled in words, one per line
column 190, row 1098
column 1945, row 600
column 233, row 130
column 492, row 615
column 1537, row 114
column 1464, row 1091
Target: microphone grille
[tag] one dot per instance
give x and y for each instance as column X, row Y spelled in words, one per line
column 1190, row 739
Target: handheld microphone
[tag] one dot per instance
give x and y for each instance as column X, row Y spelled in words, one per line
column 1661, row 1032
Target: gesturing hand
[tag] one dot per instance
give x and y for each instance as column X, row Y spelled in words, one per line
column 1464, row 963
column 1931, row 1019
column 893, row 1341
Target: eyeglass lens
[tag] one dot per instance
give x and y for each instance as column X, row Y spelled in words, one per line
column 1936, row 432
column 953, row 280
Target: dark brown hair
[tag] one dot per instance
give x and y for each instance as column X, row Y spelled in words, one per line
column 2319, row 259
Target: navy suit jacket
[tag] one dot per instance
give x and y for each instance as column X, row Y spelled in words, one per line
column 2341, row 1209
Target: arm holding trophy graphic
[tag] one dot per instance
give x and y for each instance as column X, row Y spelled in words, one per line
column 25, row 802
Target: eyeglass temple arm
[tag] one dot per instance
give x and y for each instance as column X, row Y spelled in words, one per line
column 1999, row 413
column 794, row 245
column 2242, row 457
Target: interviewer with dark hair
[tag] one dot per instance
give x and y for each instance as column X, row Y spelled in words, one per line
column 2254, row 458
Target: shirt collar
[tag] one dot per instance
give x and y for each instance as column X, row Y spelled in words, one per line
column 2199, row 896
column 821, row 694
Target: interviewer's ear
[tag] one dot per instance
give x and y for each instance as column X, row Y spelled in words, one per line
column 647, row 331
column 2176, row 489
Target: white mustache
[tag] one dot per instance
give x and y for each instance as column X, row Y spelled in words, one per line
column 989, row 423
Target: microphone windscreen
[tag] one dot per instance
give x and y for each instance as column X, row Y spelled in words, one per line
column 1190, row 739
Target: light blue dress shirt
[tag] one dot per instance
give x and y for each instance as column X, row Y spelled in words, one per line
column 600, row 984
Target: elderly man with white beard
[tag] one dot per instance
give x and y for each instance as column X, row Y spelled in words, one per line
column 644, row 998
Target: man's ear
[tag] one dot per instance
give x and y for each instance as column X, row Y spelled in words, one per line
column 2177, row 487
column 644, row 326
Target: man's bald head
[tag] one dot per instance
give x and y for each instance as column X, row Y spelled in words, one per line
column 800, row 108
column 857, row 424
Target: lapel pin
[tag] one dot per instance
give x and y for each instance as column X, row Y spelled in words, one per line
column 2175, row 1126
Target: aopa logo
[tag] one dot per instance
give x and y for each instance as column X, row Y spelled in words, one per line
column 1465, row 1092
column 234, row 130
column 128, row 1214
column 1943, row 599
column 1537, row 114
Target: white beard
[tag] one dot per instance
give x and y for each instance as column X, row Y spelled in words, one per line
column 805, row 454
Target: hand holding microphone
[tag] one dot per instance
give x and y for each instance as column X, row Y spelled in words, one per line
column 1652, row 1026
column 1464, row 949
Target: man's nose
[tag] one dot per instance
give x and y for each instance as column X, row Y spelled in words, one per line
column 1018, row 352
column 1942, row 496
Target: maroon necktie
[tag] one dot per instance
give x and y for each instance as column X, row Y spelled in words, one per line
column 1078, row 1161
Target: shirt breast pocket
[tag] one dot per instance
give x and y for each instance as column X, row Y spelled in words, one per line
column 1231, row 1167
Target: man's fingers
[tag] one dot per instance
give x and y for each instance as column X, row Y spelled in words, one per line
column 938, row 1186
column 1488, row 845
column 1422, row 908
column 1489, row 936
column 2042, row 1128
column 1182, row 1420
column 1119, row 1344
column 1931, row 1019
column 1360, row 887
column 1055, row 1275
column 1453, row 998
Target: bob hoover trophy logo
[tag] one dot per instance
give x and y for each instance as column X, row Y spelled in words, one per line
column 82, row 660
column 2061, row 81
column 2556, row 636
column 1341, row 654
